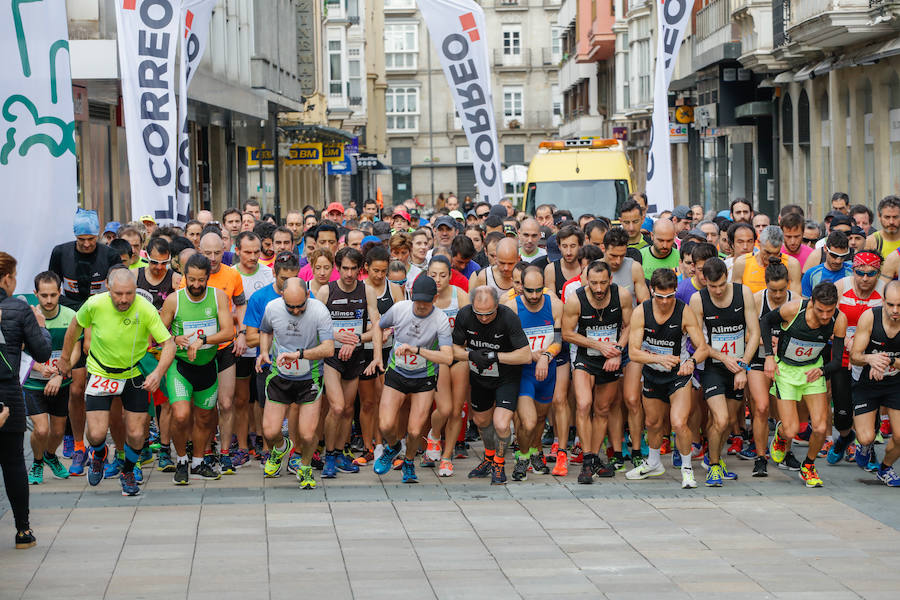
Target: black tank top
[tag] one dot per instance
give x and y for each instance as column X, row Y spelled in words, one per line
column 385, row 300
column 798, row 344
column 560, row 279
column 662, row 338
column 604, row 324
column 880, row 343
column 725, row 326
column 158, row 293
column 349, row 311
column 763, row 311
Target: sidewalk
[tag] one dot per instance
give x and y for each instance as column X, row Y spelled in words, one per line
column 361, row 536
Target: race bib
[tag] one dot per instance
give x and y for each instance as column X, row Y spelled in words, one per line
column 294, row 368
column 848, row 339
column 52, row 363
column 493, row 370
column 803, row 351
column 353, row 326
column 451, row 315
column 730, row 343
column 194, row 329
column 648, row 347
column 602, row 333
column 539, row 338
column 411, row 362
column 104, row 386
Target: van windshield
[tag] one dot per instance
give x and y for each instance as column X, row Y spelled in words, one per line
column 600, row 197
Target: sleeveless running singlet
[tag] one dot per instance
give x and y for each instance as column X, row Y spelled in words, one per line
column 799, row 345
column 453, row 308
column 155, row 293
column 755, row 275
column 603, row 324
column 765, row 309
column 853, row 307
column 879, row 343
column 662, row 338
column 885, row 247
column 538, row 328
column 194, row 319
column 623, row 278
column 384, row 302
column 349, row 312
column 725, row 326
column 492, row 282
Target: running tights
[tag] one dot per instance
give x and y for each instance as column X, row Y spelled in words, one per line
column 12, row 461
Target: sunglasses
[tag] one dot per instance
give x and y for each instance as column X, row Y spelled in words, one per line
column 866, row 273
column 398, row 282
column 809, row 241
column 484, row 314
column 663, row 296
column 158, row 263
column 533, row 290
column 295, row 306
column 836, row 255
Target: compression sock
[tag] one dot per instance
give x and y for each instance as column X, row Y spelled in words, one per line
column 120, row 454
column 131, row 457
column 489, row 455
column 489, row 437
column 79, row 445
column 503, row 444
column 196, row 461
column 99, row 451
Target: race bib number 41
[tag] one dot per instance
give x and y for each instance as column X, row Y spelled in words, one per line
column 104, row 386
column 730, row 343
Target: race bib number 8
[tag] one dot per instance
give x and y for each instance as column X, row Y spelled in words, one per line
column 602, row 334
column 803, row 351
column 193, row 329
column 52, row 363
column 104, row 386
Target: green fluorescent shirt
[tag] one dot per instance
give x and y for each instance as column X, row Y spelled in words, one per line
column 57, row 327
column 651, row 263
column 119, row 339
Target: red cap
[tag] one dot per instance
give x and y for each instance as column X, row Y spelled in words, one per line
column 335, row 206
column 404, row 214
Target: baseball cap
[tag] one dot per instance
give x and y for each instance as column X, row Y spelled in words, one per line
column 471, row 213
column 724, row 213
column 841, row 219
column 86, row 222
column 404, row 214
column 424, row 289
column 857, row 230
column 445, row 220
column 148, row 218
column 335, row 206
column 382, row 230
column 370, row 238
column 457, row 215
column 682, row 212
column 510, row 230
column 112, row 227
column 498, row 210
column 696, row 232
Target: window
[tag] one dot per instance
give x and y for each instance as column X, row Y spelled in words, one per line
column 512, row 40
column 512, row 106
column 556, row 98
column 402, row 108
column 354, row 69
column 334, row 68
column 556, row 44
column 514, row 154
column 401, row 45
column 643, row 67
column 388, row 4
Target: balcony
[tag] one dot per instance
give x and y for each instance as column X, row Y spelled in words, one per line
column 601, row 41
column 512, row 62
column 572, row 71
column 510, row 5
column 712, row 18
column 580, row 123
column 527, row 122
column 834, row 23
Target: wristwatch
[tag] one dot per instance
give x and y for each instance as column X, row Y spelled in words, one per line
column 302, row 352
column 548, row 355
column 692, row 359
column 743, row 365
column 202, row 339
column 243, row 331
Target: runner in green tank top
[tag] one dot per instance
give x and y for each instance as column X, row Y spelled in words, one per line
column 199, row 319
column 661, row 255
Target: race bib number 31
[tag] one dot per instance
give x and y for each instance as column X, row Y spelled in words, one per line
column 294, row 368
column 104, row 386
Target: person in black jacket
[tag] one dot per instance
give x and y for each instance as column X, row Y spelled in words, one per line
column 19, row 325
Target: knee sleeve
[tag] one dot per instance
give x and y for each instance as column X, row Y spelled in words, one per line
column 841, row 398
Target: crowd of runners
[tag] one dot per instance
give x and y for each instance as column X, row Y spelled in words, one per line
column 345, row 340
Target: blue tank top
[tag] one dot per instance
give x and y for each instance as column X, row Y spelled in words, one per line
column 538, row 327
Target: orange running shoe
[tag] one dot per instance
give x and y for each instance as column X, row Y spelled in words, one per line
column 554, row 449
column 432, row 449
column 666, row 446
column 561, row 469
column 364, row 458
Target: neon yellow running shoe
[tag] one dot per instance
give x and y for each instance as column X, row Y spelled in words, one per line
column 276, row 459
column 305, row 476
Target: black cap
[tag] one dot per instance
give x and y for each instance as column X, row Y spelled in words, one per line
column 510, row 230
column 857, row 230
column 445, row 220
column 841, row 219
column 382, row 229
column 424, row 289
column 499, row 210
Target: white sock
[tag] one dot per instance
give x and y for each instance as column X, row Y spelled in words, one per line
column 379, row 450
column 182, row 459
column 196, row 462
column 686, row 461
column 431, row 435
column 653, row 457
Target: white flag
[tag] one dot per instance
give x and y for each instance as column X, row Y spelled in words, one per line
column 148, row 38
column 195, row 18
column 672, row 20
column 460, row 36
column 37, row 133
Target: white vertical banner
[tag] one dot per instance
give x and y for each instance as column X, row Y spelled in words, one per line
column 148, row 38
column 672, row 19
column 460, row 36
column 195, row 18
column 37, row 132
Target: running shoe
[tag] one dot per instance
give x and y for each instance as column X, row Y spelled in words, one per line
column 790, row 462
column 705, row 462
column 384, row 462
column 687, row 479
column 737, row 444
column 586, row 475
column 293, row 465
column 826, row 448
column 644, row 471
column 427, row 463
column 56, row 467
column 554, row 450
column 446, row 469
column 181, row 476
column 258, row 445
column 726, row 474
column 138, row 474
column 602, row 469
column 316, row 462
column 561, row 468
column 98, row 462
column 306, row 479
column 576, row 454
column 398, row 462
column 432, row 450
column 714, row 476
column 227, row 467
column 748, row 452
column 276, row 459
column 850, row 455
column 329, row 471
column 809, row 474
column 834, row 456
column 760, row 467
column 520, row 471
column 862, row 456
column 637, row 460
column 345, row 463
column 364, row 459
column 498, row 474
column 778, row 447
column 68, row 446
column 482, row 470
column 618, row 463
column 538, row 465
column 676, row 459
column 36, row 474
column 885, row 428
column 113, row 469
column 206, row 471
column 547, row 438
column 409, row 472
column 696, row 450
column 879, row 439
column 460, row 450
column 164, row 461
column 802, row 437
column 888, row 476
column 240, row 457
column 76, row 469
column 146, row 457
column 129, row 485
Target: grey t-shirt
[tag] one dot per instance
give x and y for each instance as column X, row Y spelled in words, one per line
column 307, row 330
column 430, row 332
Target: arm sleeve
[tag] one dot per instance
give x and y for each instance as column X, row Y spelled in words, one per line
column 767, row 324
column 37, row 338
column 837, row 351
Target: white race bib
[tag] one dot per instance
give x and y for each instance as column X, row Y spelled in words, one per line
column 411, row 362
column 803, row 351
column 648, row 347
column 194, row 329
column 451, row 315
column 602, row 333
column 53, row 363
column 730, row 343
column 354, row 326
column 294, row 368
column 539, row 337
column 104, row 386
column 493, row 370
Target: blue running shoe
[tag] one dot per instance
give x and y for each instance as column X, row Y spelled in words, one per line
column 748, row 453
column 146, row 457
column 129, row 485
column 226, row 465
column 676, row 459
column 329, row 471
column 68, row 446
column 345, row 464
column 714, row 476
column 889, row 477
column 874, row 464
column 76, row 469
column 294, row 464
column 409, row 472
column 862, row 456
column 95, row 474
column 833, row 457
column 386, row 460
column 726, row 474
column 113, row 469
column 138, row 474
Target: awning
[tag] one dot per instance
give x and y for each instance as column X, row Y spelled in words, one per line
column 316, row 133
column 786, row 77
column 816, row 69
column 753, row 109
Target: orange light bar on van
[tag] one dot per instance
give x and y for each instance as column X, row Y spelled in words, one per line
column 578, row 143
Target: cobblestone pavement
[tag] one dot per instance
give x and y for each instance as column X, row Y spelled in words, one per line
column 361, row 536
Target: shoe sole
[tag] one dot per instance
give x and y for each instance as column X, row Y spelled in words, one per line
column 307, row 486
column 445, row 474
column 127, row 495
column 26, row 545
column 181, row 482
column 785, row 467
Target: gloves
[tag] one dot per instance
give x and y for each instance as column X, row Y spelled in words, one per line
column 482, row 358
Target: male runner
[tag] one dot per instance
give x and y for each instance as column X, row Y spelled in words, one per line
column 121, row 324
column 155, row 281
column 199, row 319
column 631, row 216
column 491, row 338
column 529, row 236
column 657, row 332
column 422, row 341
column 887, row 239
column 303, row 335
column 876, row 347
column 732, row 334
column 836, row 263
column 596, row 321
column 749, row 269
column 541, row 318
column 499, row 277
column 660, row 254
column 798, row 370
